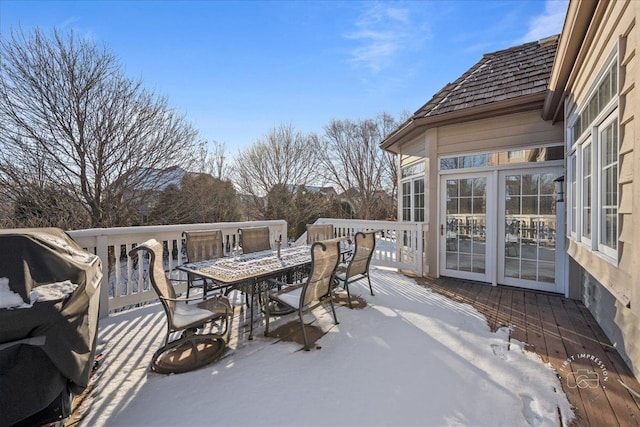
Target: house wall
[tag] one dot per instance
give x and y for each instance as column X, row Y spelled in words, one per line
column 509, row 131
column 409, row 153
column 610, row 291
column 519, row 130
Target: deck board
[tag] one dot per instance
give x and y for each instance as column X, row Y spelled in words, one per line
column 565, row 334
column 535, row 336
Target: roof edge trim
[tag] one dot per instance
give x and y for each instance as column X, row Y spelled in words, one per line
column 416, row 125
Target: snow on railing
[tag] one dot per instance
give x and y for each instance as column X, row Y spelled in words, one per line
column 120, row 283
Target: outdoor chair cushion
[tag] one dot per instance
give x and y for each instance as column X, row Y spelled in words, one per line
column 185, row 315
column 290, row 297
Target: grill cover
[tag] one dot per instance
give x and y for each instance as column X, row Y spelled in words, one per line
column 46, row 351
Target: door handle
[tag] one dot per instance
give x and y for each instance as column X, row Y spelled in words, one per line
column 442, row 229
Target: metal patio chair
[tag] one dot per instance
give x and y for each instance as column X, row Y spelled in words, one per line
column 191, row 350
column 357, row 267
column 202, row 245
column 316, row 290
column 319, row 232
column 254, row 239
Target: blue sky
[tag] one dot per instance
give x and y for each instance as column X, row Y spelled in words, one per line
column 238, row 69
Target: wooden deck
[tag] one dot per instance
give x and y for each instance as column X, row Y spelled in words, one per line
column 565, row 334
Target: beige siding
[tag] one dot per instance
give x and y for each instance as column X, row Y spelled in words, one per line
column 608, row 289
column 616, row 33
column 604, row 307
column 413, row 150
column 511, row 131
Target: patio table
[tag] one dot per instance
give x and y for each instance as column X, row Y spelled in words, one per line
column 250, row 270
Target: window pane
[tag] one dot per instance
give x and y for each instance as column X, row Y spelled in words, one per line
column 547, row 184
column 465, row 205
column 465, row 187
column 530, row 184
column 586, row 191
column 406, row 201
column 418, row 197
column 609, row 186
column 574, row 186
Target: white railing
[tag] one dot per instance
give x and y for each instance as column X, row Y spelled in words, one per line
column 399, row 245
column 120, row 283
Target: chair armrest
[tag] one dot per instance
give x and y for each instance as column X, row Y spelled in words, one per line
column 219, row 305
column 197, row 298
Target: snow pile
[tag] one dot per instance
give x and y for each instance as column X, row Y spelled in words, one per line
column 52, row 291
column 48, row 292
column 8, row 298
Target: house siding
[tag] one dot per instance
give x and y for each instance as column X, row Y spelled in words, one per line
column 520, row 130
column 511, row 131
column 611, row 291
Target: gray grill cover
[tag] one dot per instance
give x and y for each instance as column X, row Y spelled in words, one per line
column 49, row 348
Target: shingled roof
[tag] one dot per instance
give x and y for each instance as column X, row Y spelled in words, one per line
column 498, row 76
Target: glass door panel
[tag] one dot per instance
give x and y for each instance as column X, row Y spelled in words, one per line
column 464, row 231
column 529, row 229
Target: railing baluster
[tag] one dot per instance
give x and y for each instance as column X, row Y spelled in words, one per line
column 400, row 245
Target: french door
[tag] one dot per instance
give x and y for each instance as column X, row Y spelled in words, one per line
column 531, row 230
column 501, row 227
column 466, row 229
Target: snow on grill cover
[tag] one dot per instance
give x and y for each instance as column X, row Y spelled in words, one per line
column 47, row 347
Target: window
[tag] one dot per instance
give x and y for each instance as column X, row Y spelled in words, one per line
column 608, row 168
column 532, row 155
column 418, row 200
column 406, row 201
column 572, row 196
column 413, row 192
column 593, row 167
column 586, row 191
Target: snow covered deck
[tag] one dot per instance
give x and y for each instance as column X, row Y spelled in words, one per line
column 564, row 334
column 409, row 356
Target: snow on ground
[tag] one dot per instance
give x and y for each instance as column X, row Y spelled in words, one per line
column 411, row 357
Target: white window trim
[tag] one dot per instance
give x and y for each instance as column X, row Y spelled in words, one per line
column 608, row 114
column 572, row 196
column 606, row 250
column 587, row 241
column 411, row 181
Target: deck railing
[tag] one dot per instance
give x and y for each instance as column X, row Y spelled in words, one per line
column 398, row 245
column 119, row 288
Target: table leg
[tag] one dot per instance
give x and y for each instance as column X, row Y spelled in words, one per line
column 253, row 295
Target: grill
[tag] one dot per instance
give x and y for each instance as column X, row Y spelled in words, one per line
column 47, row 347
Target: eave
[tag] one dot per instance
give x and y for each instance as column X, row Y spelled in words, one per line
column 415, row 126
column 568, row 55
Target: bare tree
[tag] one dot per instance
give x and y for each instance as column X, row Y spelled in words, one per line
column 214, row 160
column 282, row 158
column 71, row 120
column 355, row 164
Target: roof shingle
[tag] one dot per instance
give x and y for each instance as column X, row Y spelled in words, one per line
column 498, row 76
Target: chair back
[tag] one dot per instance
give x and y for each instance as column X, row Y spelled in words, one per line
column 365, row 245
column 324, row 260
column 319, row 232
column 204, row 244
column 254, row 239
column 158, row 279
